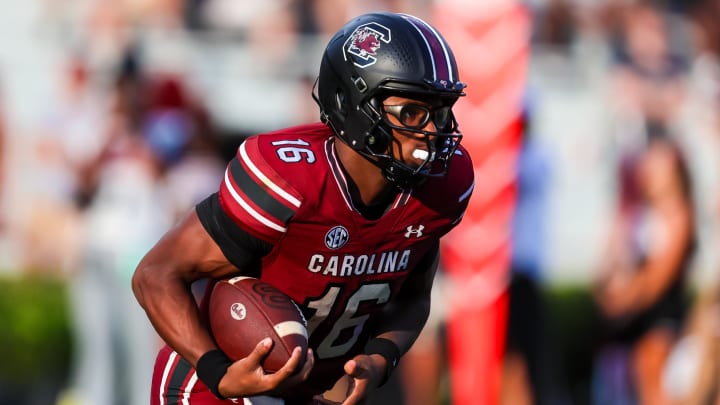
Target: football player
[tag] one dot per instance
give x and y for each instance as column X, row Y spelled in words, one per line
column 343, row 215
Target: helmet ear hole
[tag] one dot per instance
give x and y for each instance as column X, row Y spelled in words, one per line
column 377, row 138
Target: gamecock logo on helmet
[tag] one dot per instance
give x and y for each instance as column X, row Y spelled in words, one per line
column 364, row 42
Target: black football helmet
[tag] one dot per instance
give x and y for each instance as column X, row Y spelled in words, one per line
column 382, row 54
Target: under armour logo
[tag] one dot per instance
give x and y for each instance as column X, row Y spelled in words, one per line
column 417, row 232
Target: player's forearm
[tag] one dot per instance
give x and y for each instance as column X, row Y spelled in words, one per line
column 172, row 310
column 405, row 317
column 403, row 327
column 396, row 335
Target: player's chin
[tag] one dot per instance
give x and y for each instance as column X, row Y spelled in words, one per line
column 416, row 164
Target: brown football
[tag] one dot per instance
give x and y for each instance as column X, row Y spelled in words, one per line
column 245, row 310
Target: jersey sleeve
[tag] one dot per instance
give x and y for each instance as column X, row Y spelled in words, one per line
column 255, row 196
column 241, row 249
column 462, row 181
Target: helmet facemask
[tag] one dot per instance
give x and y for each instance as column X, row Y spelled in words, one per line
column 383, row 146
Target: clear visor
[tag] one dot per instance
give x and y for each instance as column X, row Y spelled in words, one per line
column 416, row 116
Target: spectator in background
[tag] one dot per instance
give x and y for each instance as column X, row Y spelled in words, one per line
column 3, row 162
column 181, row 135
column 70, row 134
column 121, row 213
column 640, row 291
column 158, row 159
column 526, row 374
column 555, row 25
column 692, row 373
column 704, row 14
column 648, row 77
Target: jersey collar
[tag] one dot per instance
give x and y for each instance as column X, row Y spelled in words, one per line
column 342, row 180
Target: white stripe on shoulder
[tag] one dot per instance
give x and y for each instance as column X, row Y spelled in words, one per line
column 467, row 192
column 250, row 210
column 260, row 175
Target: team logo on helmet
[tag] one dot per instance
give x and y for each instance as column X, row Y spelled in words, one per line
column 362, row 45
column 336, row 237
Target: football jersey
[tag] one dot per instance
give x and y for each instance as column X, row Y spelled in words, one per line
column 288, row 188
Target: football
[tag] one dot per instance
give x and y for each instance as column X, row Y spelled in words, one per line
column 245, row 310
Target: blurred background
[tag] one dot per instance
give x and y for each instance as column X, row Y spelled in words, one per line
column 118, row 116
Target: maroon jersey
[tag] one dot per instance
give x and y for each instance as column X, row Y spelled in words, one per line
column 288, row 188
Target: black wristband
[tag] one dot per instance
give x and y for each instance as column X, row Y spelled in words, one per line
column 211, row 368
column 388, row 349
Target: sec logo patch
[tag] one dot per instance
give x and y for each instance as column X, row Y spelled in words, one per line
column 336, row 237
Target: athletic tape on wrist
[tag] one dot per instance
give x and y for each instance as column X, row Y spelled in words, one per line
column 211, row 368
column 388, row 349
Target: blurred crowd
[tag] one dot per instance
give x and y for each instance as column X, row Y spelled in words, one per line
column 637, row 84
column 132, row 108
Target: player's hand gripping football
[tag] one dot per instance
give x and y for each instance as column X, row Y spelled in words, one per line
column 366, row 371
column 246, row 377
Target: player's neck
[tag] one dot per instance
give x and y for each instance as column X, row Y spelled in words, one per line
column 371, row 186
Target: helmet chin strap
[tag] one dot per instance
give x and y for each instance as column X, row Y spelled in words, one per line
column 400, row 176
